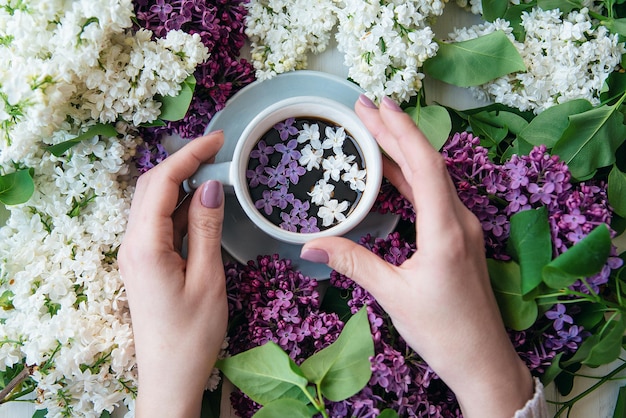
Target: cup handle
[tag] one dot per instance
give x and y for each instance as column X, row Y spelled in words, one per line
column 217, row 171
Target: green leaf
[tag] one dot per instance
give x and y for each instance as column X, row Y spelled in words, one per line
column 476, row 61
column 609, row 346
column 99, row 129
column 517, row 313
column 212, row 402
column 493, row 9
column 265, row 373
column 553, row 370
column 284, row 408
column 40, row 413
column 17, row 187
column 615, row 25
column 617, row 191
column 547, row 127
column 590, row 140
column 492, row 126
column 565, row 6
column 175, row 107
column 584, row 259
column 434, row 121
column 343, row 368
column 530, row 244
column 620, row 404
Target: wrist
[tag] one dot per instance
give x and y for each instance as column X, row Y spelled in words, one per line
column 166, row 401
column 498, row 392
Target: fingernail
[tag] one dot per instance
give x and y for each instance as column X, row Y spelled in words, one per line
column 212, row 194
column 390, row 104
column 365, row 101
column 314, row 255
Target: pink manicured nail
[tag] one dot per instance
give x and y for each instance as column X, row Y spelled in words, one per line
column 365, row 101
column 390, row 104
column 314, row 255
column 212, row 194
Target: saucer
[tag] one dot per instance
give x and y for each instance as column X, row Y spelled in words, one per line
column 240, row 237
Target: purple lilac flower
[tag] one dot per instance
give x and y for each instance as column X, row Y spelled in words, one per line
column 221, row 27
column 389, row 200
column 309, row 225
column 400, row 380
column 275, row 175
column 274, row 302
column 527, row 182
column 293, row 171
column 286, row 129
column 290, row 222
column 256, row 176
column 558, row 315
column 266, row 203
column 281, row 197
column 262, row 151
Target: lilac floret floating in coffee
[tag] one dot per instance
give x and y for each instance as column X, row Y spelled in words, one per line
column 306, row 174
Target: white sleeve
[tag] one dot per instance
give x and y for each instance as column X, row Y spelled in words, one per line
column 537, row 407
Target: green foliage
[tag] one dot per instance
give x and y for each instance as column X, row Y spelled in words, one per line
column 518, row 313
column 530, row 244
column 584, row 259
column 174, row 108
column 271, row 378
column 16, row 187
column 434, row 121
column 591, row 139
column 343, row 368
column 474, row 62
column 99, row 129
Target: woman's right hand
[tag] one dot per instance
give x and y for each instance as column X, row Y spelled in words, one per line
column 440, row 300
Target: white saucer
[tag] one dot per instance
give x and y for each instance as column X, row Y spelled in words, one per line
column 240, row 237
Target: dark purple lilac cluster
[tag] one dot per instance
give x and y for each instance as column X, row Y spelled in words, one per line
column 271, row 301
column 221, row 26
column 389, row 200
column 495, row 192
column 400, row 380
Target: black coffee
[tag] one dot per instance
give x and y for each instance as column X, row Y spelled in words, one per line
column 306, row 174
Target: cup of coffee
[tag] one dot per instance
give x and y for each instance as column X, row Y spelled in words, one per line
column 305, row 167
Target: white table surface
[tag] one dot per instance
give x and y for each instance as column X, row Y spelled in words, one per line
column 600, row 404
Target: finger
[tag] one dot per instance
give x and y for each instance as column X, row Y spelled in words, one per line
column 204, row 230
column 433, row 193
column 160, row 185
column 371, row 118
column 393, row 173
column 356, row 262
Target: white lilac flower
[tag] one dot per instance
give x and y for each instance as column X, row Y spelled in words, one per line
column 55, row 68
column 332, row 211
column 310, row 133
column 283, row 33
column 65, row 67
column 322, row 192
column 386, row 42
column 566, row 58
column 333, row 167
column 334, row 139
column 311, row 158
column 355, row 177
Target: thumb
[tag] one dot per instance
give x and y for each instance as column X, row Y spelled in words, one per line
column 204, row 229
column 352, row 260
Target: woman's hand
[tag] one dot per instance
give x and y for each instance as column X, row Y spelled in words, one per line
column 440, row 300
column 178, row 306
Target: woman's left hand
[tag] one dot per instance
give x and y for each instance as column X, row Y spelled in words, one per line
column 178, row 306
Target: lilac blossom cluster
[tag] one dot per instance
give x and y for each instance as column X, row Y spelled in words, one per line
column 296, row 152
column 495, row 192
column 400, row 380
column 220, row 25
column 271, row 301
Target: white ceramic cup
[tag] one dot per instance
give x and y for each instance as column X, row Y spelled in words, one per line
column 233, row 173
